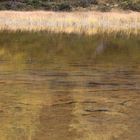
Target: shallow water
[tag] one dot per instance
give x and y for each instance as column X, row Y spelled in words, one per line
column 69, row 87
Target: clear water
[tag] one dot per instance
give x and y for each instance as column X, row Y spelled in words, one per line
column 69, row 87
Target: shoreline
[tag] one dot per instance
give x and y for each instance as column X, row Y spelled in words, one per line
column 90, row 22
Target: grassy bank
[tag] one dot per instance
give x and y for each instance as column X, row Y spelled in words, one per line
column 73, row 22
column 69, row 5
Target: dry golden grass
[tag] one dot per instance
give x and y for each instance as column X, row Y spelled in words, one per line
column 77, row 22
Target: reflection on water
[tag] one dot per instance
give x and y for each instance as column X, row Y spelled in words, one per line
column 69, row 87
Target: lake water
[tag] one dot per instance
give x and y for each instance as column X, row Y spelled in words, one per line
column 69, row 87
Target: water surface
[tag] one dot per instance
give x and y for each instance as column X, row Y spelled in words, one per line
column 69, row 87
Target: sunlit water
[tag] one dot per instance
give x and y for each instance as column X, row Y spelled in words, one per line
column 69, row 87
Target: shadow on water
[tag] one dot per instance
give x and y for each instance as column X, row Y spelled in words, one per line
column 69, row 87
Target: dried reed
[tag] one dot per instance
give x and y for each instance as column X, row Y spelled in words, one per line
column 73, row 22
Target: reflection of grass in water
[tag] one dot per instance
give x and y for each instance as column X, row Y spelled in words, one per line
column 121, row 51
column 43, row 48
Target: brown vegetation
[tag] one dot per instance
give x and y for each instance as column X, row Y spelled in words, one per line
column 77, row 22
column 69, row 5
